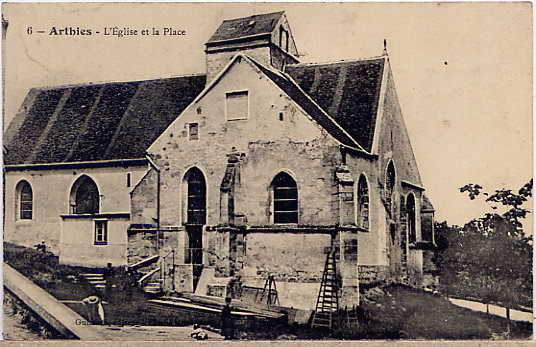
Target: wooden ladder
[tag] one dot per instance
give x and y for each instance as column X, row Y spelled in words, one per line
column 327, row 302
column 270, row 291
column 351, row 318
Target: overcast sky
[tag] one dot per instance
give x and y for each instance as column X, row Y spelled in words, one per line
column 463, row 72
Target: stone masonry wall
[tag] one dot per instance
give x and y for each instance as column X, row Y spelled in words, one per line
column 143, row 200
column 217, row 61
column 295, row 145
column 141, row 245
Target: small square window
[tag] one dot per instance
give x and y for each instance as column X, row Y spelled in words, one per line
column 101, row 232
column 236, row 105
column 193, row 131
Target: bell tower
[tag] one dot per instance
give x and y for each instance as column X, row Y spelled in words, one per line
column 265, row 37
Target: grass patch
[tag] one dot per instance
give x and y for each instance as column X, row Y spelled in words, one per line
column 44, row 269
column 408, row 313
column 125, row 307
column 402, row 313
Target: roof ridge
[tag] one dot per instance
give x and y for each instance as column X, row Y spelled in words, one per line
column 101, row 83
column 334, row 62
column 253, row 15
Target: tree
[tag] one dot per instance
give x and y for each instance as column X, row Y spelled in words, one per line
column 490, row 258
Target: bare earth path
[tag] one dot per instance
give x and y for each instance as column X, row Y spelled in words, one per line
column 151, row 333
column 496, row 310
column 13, row 329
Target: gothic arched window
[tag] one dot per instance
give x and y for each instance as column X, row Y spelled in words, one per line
column 196, row 212
column 283, row 39
column 410, row 210
column 285, row 199
column 362, row 203
column 389, row 186
column 24, row 199
column 85, row 197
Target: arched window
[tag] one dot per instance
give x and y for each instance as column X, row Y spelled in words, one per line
column 362, row 203
column 389, row 186
column 197, row 196
column 24, row 200
column 410, row 210
column 403, row 230
column 85, row 197
column 285, row 193
column 283, row 38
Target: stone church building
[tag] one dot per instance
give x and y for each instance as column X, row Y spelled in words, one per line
column 258, row 168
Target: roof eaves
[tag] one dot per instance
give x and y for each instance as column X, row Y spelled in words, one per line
column 77, row 164
column 238, row 38
column 411, row 185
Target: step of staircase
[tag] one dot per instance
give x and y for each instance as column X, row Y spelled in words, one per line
column 96, row 280
column 92, row 278
column 153, row 287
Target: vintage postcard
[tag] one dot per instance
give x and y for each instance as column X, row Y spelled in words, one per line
column 267, row 171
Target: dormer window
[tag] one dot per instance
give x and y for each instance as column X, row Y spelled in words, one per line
column 236, row 105
column 283, row 39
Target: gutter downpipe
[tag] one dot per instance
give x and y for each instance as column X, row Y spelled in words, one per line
column 157, row 169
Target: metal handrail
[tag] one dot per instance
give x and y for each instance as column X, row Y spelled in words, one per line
column 170, row 252
column 147, row 276
column 171, row 273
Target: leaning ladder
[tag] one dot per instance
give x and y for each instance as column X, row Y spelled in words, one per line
column 270, row 291
column 352, row 320
column 327, row 303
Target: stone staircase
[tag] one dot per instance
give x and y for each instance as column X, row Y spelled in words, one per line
column 150, row 282
column 96, row 280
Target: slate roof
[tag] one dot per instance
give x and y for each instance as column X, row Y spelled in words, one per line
column 348, row 91
column 121, row 120
column 247, row 26
column 99, row 121
column 305, row 102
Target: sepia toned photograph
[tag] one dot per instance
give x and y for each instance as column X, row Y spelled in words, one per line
column 267, row 171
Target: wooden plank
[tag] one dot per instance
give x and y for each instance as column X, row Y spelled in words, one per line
column 274, row 313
